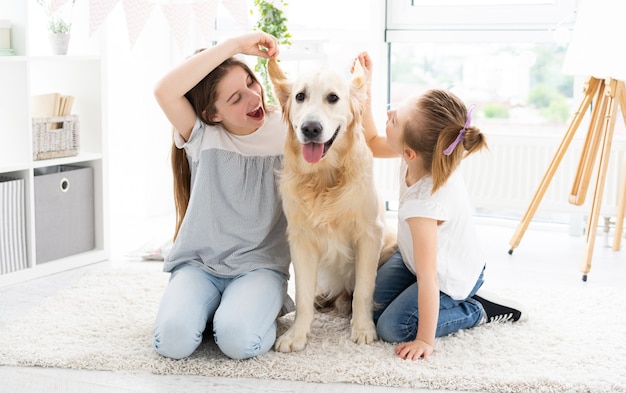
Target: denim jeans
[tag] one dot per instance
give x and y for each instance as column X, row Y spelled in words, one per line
column 242, row 311
column 396, row 311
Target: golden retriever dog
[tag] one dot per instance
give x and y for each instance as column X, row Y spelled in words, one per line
column 335, row 220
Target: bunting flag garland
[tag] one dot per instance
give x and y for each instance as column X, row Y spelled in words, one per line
column 137, row 13
column 55, row 5
column 238, row 10
column 178, row 15
column 205, row 14
column 98, row 12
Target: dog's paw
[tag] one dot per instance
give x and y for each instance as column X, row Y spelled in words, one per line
column 364, row 335
column 290, row 341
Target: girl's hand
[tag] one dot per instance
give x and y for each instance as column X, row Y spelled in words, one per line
column 258, row 44
column 415, row 350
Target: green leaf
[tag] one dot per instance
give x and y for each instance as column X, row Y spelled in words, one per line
column 271, row 21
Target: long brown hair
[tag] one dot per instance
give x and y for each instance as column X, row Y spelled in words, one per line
column 202, row 98
column 440, row 117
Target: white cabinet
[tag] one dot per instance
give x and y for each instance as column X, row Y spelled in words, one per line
column 32, row 71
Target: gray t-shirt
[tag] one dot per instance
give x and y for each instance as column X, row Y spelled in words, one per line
column 234, row 221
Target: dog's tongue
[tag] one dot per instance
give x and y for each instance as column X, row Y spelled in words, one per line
column 312, row 152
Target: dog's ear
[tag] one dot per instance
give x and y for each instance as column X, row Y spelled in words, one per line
column 282, row 87
column 358, row 86
column 358, row 73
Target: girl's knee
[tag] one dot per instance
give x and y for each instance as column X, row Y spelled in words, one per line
column 175, row 340
column 383, row 331
column 239, row 342
column 240, row 339
column 392, row 332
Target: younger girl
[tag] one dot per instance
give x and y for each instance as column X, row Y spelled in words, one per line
column 428, row 288
column 230, row 260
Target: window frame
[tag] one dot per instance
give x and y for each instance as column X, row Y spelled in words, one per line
column 514, row 21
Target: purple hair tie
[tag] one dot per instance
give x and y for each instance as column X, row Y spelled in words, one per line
column 459, row 138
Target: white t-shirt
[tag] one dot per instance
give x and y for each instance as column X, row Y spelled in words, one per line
column 459, row 257
column 268, row 140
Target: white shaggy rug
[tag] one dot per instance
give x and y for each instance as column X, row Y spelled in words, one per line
column 575, row 341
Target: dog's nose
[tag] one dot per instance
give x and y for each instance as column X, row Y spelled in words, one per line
column 311, row 129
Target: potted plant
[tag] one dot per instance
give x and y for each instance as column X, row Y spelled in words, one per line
column 59, row 25
column 270, row 20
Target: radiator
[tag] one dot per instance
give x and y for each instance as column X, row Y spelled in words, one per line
column 502, row 180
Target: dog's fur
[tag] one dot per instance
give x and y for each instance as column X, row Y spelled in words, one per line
column 336, row 222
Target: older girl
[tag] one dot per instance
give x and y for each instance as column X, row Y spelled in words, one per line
column 229, row 263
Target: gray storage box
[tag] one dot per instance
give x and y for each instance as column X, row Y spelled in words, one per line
column 12, row 226
column 64, row 211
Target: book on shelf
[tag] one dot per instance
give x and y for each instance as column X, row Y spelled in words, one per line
column 52, row 105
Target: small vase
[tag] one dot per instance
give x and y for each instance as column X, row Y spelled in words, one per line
column 59, row 43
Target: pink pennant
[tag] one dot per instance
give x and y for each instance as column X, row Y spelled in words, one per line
column 238, row 11
column 205, row 13
column 98, row 12
column 178, row 16
column 137, row 13
column 55, row 5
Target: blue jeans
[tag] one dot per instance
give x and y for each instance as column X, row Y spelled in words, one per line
column 396, row 312
column 242, row 310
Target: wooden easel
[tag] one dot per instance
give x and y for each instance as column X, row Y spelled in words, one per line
column 608, row 93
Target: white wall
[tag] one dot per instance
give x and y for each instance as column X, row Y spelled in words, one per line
column 139, row 134
column 141, row 201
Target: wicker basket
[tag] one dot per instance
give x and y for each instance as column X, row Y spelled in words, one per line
column 55, row 137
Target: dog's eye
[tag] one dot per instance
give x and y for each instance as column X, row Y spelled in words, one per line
column 299, row 97
column 332, row 98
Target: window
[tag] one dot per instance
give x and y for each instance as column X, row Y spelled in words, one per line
column 504, row 55
column 517, row 87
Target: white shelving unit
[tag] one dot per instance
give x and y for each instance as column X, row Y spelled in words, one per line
column 33, row 70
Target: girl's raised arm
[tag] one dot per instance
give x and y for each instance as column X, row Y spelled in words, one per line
column 170, row 90
column 376, row 142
